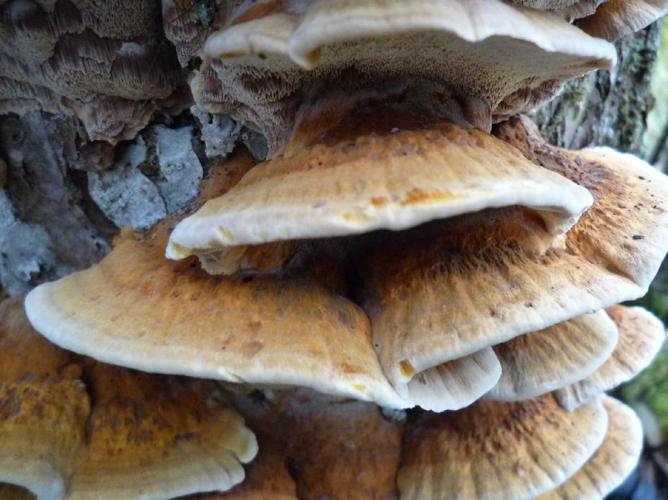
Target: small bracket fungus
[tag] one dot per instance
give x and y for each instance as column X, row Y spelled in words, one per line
column 272, row 62
column 617, row 18
column 76, row 429
column 537, row 363
column 641, row 335
column 614, row 460
column 498, row 450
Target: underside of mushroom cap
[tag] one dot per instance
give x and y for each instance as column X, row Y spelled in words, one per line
column 80, row 429
column 139, row 310
column 509, row 57
column 614, row 460
column 382, row 179
column 617, row 18
column 641, row 335
column 498, row 450
column 84, row 58
column 568, row 9
column 537, row 363
column 438, row 285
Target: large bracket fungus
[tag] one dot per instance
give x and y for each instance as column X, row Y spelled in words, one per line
column 73, row 428
column 410, row 244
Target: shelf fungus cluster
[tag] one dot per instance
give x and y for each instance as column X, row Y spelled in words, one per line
column 414, row 295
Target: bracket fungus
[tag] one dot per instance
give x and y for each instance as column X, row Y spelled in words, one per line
column 74, row 428
column 410, row 243
column 641, row 335
column 613, row 461
column 484, row 59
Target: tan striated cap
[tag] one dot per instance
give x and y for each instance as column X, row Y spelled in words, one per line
column 613, row 461
column 617, row 18
column 139, row 310
column 393, row 180
column 498, row 450
column 641, row 335
column 537, row 363
column 158, row 436
column 43, row 407
column 97, row 431
column 457, row 286
column 511, row 58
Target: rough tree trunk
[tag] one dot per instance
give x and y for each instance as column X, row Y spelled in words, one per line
column 65, row 197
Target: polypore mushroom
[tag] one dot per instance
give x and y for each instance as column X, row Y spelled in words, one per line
column 84, row 58
column 617, row 18
column 382, row 179
column 540, row 362
column 171, row 317
column 641, row 335
column 135, row 434
column 613, row 461
column 498, row 450
column 267, row 65
column 457, row 286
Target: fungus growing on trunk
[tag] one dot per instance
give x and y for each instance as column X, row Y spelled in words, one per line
column 641, row 335
column 74, row 428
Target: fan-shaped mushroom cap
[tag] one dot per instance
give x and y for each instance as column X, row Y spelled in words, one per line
column 450, row 288
column 641, row 335
column 42, row 410
column 498, row 450
column 160, row 436
column 397, row 180
column 612, row 462
column 509, row 57
column 537, row 363
column 139, row 310
column 617, row 18
column 139, row 434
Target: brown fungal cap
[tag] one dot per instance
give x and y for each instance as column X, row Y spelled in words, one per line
column 509, row 57
column 641, row 335
column 392, row 179
column 119, row 434
column 137, row 309
column 439, row 284
column 537, row 363
column 617, row 18
column 498, row 450
column 613, row 461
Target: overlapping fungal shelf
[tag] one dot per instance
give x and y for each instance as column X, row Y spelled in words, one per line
column 414, row 295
